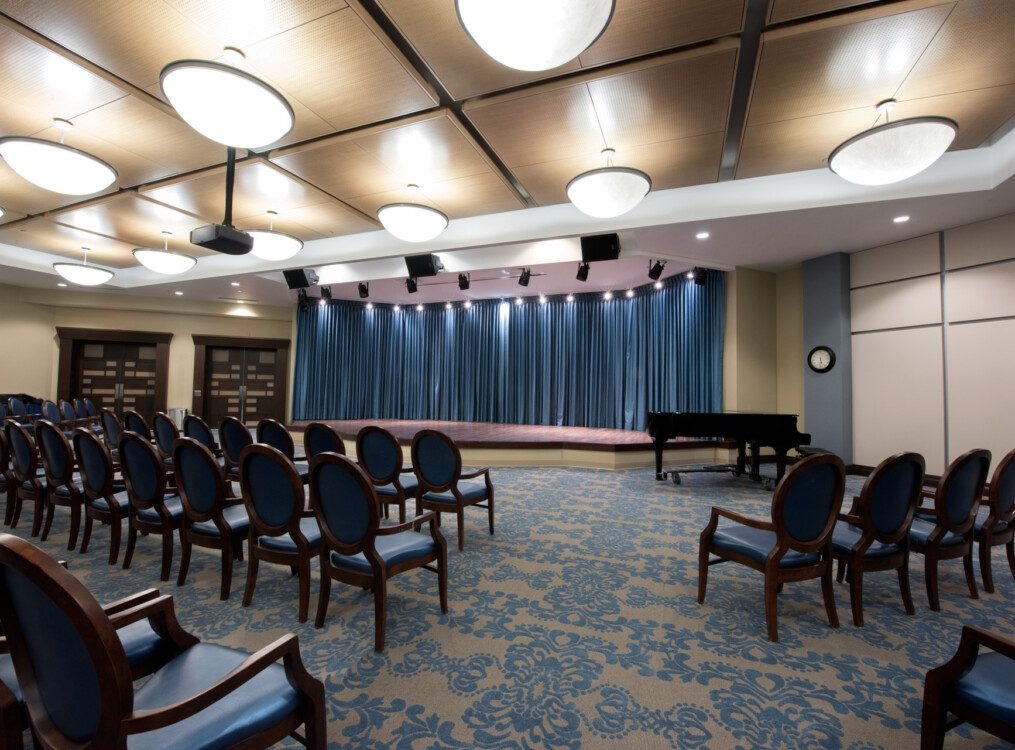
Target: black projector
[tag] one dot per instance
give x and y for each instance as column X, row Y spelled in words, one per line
column 222, row 238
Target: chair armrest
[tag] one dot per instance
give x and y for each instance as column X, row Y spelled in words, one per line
column 474, row 474
column 162, row 614
column 965, row 656
column 145, row 721
column 850, row 518
column 752, row 522
column 121, row 605
column 409, row 524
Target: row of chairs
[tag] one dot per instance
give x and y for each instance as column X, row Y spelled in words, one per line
column 808, row 532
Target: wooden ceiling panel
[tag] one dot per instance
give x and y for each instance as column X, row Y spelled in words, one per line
column 17, row 194
column 474, row 195
column 49, row 237
column 643, row 26
column 314, row 222
column 821, row 68
column 670, row 164
column 241, row 22
column 341, row 168
column 974, row 50
column 789, row 10
column 340, row 70
column 683, row 98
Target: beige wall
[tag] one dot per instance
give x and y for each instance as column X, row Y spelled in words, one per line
column 789, row 343
column 31, row 316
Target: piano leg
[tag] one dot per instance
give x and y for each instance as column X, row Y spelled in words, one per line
column 741, row 458
column 755, row 461
column 780, row 463
column 657, row 445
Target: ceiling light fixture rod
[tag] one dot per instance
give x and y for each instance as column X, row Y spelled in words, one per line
column 747, row 61
column 230, row 179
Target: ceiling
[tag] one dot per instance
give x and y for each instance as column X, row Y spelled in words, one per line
column 697, row 93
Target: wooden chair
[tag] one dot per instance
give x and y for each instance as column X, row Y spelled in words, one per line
column 210, row 519
column 153, row 508
column 233, row 437
column 272, row 432
column 319, row 437
column 443, row 488
column 948, row 534
column 197, row 429
column 106, row 500
column 134, row 422
column 874, row 535
column 380, row 457
column 111, row 429
column 207, row 696
column 971, row 687
column 27, row 473
column 281, row 531
column 62, row 489
column 995, row 521
column 794, row 546
column 8, row 484
column 359, row 551
column 166, row 435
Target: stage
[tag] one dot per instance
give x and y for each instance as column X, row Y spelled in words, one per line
column 490, row 444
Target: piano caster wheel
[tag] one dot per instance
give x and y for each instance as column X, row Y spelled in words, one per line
column 676, row 478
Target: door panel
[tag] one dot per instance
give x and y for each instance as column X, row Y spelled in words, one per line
column 240, row 382
column 115, row 375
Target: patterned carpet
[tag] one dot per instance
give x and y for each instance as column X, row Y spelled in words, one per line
column 577, row 626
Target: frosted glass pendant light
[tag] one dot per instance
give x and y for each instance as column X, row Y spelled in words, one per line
column 412, row 222
column 164, row 261
column 534, row 34
column 82, row 273
column 272, row 245
column 56, row 167
column 609, row 191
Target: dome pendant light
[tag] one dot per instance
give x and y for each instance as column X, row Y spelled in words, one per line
column 226, row 104
column 412, row 222
column 609, row 191
column 534, row 34
column 895, row 151
column 272, row 245
column 83, row 274
column 55, row 166
column 164, row 261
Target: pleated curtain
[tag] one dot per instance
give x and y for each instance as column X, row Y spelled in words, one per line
column 587, row 363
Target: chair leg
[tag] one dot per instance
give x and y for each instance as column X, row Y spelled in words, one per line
column 771, row 601
column 829, row 592
column 304, row 574
column 442, row 582
column 907, row 596
column 702, row 570
column 322, row 599
column 840, row 573
column 985, row 572
column 86, row 536
column 1010, row 548
column 856, row 593
column 967, row 565
column 461, row 529
column 228, row 552
column 930, row 576
column 131, row 543
column 248, row 590
column 932, row 726
column 489, row 512
column 37, row 518
column 315, row 725
column 75, row 525
column 401, row 510
column 48, row 525
column 12, row 496
column 167, row 554
column 380, row 610
column 115, row 528
column 185, row 549
column 16, row 511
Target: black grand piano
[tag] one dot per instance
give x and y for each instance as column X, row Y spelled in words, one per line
column 778, row 431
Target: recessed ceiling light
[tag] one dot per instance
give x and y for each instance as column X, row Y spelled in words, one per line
column 447, row 305
column 570, row 298
column 607, row 295
column 518, row 300
column 178, row 294
column 241, row 302
column 60, row 283
column 234, row 283
column 396, row 308
column 629, row 293
column 658, row 285
column 901, row 219
column 702, row 235
column 542, row 299
column 370, row 305
column 419, row 307
column 467, row 304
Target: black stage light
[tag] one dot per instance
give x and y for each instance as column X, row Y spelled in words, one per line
column 524, row 278
column 656, row 270
column 699, row 276
column 301, row 300
column 364, row 290
column 583, row 272
column 325, row 294
column 463, row 281
column 410, row 285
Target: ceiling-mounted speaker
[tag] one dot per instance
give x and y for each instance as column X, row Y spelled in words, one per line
column 600, row 247
column 300, row 278
column 426, row 264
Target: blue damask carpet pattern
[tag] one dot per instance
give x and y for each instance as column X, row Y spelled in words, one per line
column 576, row 626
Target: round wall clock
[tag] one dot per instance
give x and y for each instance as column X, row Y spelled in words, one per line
column 821, row 359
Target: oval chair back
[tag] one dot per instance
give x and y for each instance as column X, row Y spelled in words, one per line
column 958, row 493
column 57, row 457
column 272, row 491
column 321, row 438
column 80, row 698
column 51, row 411
column 17, row 407
column 197, row 429
column 199, row 480
column 436, row 459
column 90, row 406
column 807, row 501
column 143, row 472
column 67, row 411
column 1002, row 490
column 166, row 433
column 380, row 455
column 272, row 432
column 890, row 495
column 136, row 423
column 111, row 429
column 24, row 459
column 5, row 454
column 233, row 437
column 80, row 410
column 343, row 499
column 94, row 463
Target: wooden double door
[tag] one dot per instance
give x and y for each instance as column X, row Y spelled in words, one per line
column 242, row 378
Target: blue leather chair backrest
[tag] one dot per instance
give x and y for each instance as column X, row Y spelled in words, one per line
column 343, row 501
column 51, row 411
column 111, row 427
column 379, row 455
column 196, row 476
column 235, row 437
column 17, row 407
column 135, row 423
column 141, row 466
column 965, row 487
column 53, row 446
column 22, row 452
column 320, row 439
column 67, row 410
column 80, row 409
column 1004, row 478
column 165, row 432
column 90, row 406
column 268, row 486
column 195, row 428
column 810, row 501
column 5, row 452
column 436, row 460
column 275, row 435
column 92, row 460
column 4, row 411
column 893, row 495
column 66, row 676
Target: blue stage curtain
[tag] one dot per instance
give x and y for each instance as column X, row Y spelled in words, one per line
column 587, row 363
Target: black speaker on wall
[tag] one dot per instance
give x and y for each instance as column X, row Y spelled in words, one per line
column 600, row 247
column 300, row 278
column 426, row 264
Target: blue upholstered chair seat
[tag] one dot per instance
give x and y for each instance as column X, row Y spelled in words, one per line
column 62, row 490
column 757, row 544
column 845, row 535
column 469, row 489
column 392, row 549
column 234, row 515
column 409, row 484
column 285, row 542
column 253, row 707
column 173, row 504
column 989, row 686
column 981, row 518
column 121, row 499
column 920, row 531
